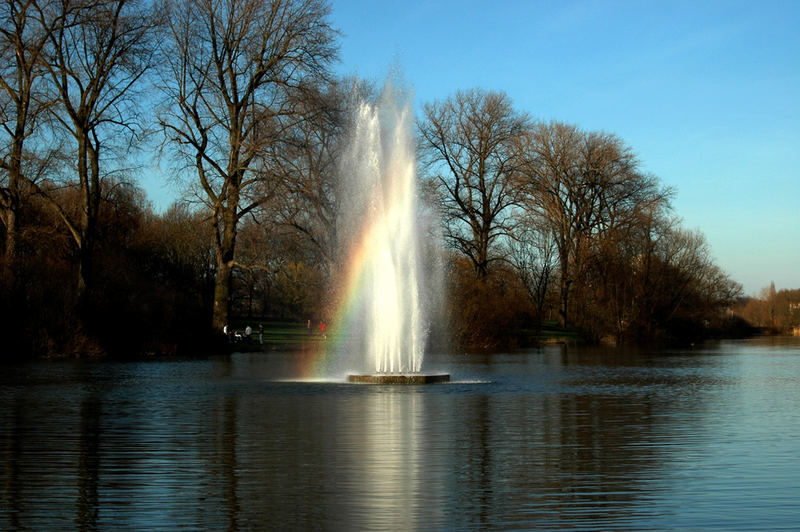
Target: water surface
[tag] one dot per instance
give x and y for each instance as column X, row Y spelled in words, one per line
column 557, row 438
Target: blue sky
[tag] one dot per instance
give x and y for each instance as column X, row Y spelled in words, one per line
column 707, row 93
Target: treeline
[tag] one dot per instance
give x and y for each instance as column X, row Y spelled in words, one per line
column 150, row 289
column 539, row 221
column 551, row 222
column 773, row 311
column 226, row 90
column 153, row 287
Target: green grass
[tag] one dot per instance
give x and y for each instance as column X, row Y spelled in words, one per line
column 281, row 333
column 552, row 332
column 295, row 335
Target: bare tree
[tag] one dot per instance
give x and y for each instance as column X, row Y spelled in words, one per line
column 310, row 167
column 22, row 40
column 235, row 72
column 683, row 279
column 769, row 295
column 469, row 145
column 308, row 161
column 94, row 60
column 582, row 185
column 533, row 254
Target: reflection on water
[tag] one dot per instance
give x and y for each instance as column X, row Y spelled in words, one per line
column 552, row 439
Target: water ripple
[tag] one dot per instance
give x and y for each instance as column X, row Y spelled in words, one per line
column 534, row 440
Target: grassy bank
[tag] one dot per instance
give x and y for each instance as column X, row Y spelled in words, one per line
column 277, row 334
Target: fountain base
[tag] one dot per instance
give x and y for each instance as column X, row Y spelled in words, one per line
column 394, row 378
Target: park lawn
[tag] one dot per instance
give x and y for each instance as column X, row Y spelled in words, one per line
column 281, row 334
column 549, row 332
column 295, row 335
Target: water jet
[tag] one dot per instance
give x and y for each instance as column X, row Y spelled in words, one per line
column 388, row 283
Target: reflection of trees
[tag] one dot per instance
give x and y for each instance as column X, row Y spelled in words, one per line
column 565, row 438
column 89, row 463
column 477, row 469
column 524, row 456
column 287, row 465
column 224, row 429
column 40, row 446
column 11, row 494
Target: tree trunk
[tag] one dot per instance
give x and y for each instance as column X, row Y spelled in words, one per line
column 84, row 244
column 10, row 251
column 225, row 246
column 564, row 284
column 11, row 207
column 222, row 294
column 89, row 175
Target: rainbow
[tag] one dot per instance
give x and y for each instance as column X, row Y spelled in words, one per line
column 377, row 321
column 321, row 363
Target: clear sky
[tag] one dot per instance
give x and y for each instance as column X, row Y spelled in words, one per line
column 706, row 92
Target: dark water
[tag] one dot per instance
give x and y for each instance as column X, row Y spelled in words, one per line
column 552, row 439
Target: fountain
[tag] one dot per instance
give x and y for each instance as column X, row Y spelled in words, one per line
column 385, row 304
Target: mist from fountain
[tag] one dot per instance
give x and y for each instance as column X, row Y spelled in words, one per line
column 380, row 222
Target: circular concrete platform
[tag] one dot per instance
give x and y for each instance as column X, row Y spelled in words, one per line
column 389, row 378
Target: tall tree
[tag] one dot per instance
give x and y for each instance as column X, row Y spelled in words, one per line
column 582, row 185
column 22, row 40
column 532, row 252
column 94, row 61
column 235, row 72
column 769, row 295
column 308, row 161
column 469, row 143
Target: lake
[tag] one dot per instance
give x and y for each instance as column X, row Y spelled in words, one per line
column 549, row 439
